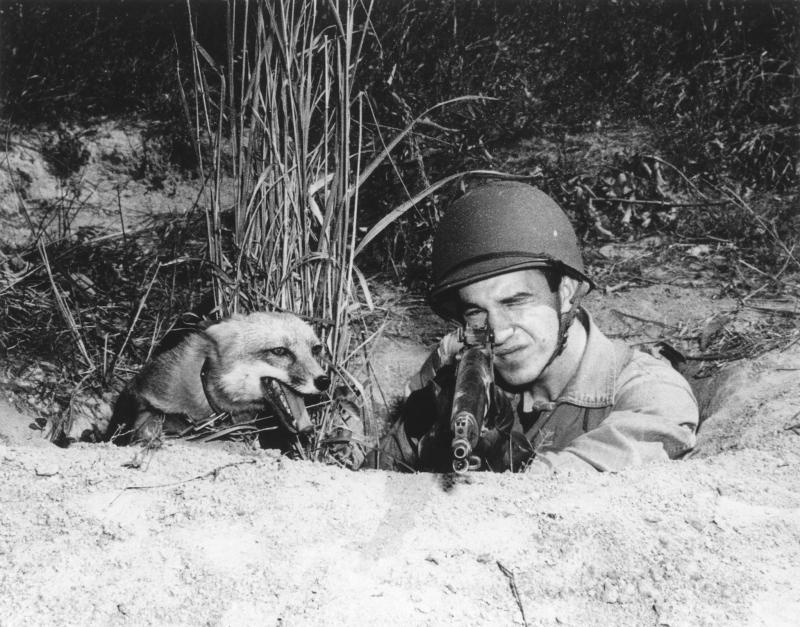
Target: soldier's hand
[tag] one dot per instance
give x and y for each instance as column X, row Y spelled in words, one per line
column 500, row 447
column 449, row 346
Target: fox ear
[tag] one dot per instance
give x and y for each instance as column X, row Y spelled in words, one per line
column 210, row 345
column 217, row 330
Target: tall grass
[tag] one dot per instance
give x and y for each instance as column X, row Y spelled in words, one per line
column 279, row 118
column 283, row 117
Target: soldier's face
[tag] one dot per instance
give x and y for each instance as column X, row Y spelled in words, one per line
column 521, row 310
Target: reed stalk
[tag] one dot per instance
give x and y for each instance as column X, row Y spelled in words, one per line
column 283, row 116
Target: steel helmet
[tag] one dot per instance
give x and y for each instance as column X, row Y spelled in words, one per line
column 500, row 227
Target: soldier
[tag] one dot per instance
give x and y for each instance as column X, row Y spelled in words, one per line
column 565, row 395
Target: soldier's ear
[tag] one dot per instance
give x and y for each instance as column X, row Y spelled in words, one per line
column 568, row 289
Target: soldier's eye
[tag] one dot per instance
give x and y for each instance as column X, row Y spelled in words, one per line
column 474, row 317
column 280, row 351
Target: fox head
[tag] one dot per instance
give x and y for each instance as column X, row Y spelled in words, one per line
column 247, row 351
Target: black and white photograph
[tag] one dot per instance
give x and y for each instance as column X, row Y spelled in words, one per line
column 400, row 312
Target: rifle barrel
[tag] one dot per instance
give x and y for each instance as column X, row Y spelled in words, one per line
column 470, row 404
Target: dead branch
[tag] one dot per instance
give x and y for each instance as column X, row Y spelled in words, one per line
column 768, row 275
column 769, row 228
column 142, row 301
column 66, row 314
column 625, row 314
column 211, row 473
column 663, row 203
column 65, row 253
column 686, row 179
column 790, row 307
column 513, row 585
column 794, row 428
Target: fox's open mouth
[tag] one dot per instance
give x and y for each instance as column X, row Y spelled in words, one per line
column 289, row 406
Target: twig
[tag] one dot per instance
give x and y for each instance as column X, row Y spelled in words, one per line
column 144, row 455
column 663, row 203
column 121, row 215
column 66, row 314
column 619, row 286
column 769, row 228
column 203, row 425
column 245, row 429
column 513, row 585
column 679, row 173
column 790, row 344
column 777, row 306
column 142, row 302
column 640, row 318
column 299, row 448
column 365, row 343
column 66, row 425
column 785, row 265
column 767, row 275
column 729, row 356
column 794, row 428
column 754, row 292
column 595, row 215
column 214, row 472
column 19, row 279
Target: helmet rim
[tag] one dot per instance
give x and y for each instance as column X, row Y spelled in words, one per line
column 497, row 228
column 443, row 300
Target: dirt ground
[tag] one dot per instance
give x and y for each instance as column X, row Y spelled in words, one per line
column 226, row 534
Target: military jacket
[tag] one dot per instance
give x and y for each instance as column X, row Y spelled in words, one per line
column 621, row 408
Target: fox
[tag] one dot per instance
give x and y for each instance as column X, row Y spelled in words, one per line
column 242, row 365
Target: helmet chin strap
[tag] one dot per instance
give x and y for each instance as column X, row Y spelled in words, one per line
column 565, row 321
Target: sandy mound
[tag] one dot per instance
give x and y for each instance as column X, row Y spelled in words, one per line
column 225, row 535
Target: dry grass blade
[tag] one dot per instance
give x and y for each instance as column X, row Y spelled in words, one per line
column 767, row 226
column 65, row 311
column 132, row 326
column 213, row 473
column 398, row 211
column 512, row 583
column 788, row 306
column 283, row 105
column 408, row 129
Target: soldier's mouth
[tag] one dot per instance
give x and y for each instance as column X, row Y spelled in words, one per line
column 289, row 406
column 509, row 353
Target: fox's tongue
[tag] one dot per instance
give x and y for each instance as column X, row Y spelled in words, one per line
column 288, row 405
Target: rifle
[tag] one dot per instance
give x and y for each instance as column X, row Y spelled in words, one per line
column 473, row 395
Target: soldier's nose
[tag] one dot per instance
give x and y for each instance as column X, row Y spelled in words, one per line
column 501, row 327
column 503, row 335
column 322, row 382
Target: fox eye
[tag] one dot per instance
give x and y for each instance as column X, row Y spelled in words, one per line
column 316, row 350
column 280, row 351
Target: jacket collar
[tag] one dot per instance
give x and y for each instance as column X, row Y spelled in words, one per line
column 594, row 381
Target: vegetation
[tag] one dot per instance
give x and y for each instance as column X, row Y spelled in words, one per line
column 342, row 125
column 283, row 108
column 717, row 80
column 719, row 76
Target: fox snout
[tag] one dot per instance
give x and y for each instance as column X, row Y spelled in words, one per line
column 304, row 425
column 306, row 379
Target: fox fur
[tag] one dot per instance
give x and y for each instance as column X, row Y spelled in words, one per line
column 227, row 367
